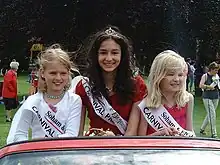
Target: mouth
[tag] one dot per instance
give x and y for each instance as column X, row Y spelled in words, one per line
column 109, row 65
column 174, row 85
column 58, row 83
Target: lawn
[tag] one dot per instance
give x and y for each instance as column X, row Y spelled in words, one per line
column 23, row 86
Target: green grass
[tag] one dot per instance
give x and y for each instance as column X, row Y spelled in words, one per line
column 23, row 86
column 199, row 115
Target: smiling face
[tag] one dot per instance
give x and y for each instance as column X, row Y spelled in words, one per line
column 173, row 81
column 109, row 55
column 56, row 76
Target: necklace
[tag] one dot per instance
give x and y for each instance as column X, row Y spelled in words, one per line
column 55, row 97
column 109, row 89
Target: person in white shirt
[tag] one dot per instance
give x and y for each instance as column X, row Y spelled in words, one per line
column 191, row 76
column 53, row 111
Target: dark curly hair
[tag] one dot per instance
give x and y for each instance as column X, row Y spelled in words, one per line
column 124, row 82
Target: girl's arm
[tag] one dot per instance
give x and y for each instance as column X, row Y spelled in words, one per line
column 134, row 118
column 189, row 113
column 73, row 121
column 133, row 121
column 82, row 121
column 79, row 90
column 20, row 125
column 142, row 129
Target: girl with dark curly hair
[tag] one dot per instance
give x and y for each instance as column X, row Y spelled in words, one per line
column 110, row 92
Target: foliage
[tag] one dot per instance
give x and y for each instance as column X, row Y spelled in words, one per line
column 152, row 25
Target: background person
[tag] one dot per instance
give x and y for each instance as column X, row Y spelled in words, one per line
column 192, row 76
column 34, row 81
column 9, row 91
column 14, row 62
column 189, row 73
column 209, row 83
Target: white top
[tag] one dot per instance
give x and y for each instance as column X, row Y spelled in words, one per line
column 192, row 68
column 68, row 111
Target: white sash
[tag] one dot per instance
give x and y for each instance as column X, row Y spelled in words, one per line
column 160, row 118
column 104, row 110
column 50, row 125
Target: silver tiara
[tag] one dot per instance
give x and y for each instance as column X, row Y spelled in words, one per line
column 111, row 32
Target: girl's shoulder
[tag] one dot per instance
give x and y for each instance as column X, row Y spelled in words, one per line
column 139, row 78
column 140, row 88
column 70, row 100
column 75, row 81
column 79, row 89
column 37, row 95
column 139, row 81
column 190, row 96
column 72, row 96
column 32, row 100
column 190, row 100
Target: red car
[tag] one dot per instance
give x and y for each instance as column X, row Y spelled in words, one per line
column 113, row 151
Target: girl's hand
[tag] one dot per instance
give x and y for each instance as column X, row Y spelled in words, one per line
column 101, row 132
column 109, row 133
column 168, row 132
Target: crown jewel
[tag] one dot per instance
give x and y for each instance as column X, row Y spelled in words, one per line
column 110, row 32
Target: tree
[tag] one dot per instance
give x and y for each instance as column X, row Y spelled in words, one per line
column 152, row 25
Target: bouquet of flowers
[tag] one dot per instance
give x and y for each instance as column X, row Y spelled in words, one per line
column 215, row 80
column 99, row 132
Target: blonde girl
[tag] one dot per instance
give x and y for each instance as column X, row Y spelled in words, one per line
column 168, row 89
column 53, row 111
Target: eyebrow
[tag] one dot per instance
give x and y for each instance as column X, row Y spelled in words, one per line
column 103, row 49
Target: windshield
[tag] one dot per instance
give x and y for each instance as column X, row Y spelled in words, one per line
column 115, row 157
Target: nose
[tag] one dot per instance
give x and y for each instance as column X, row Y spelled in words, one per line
column 109, row 56
column 58, row 76
column 176, row 78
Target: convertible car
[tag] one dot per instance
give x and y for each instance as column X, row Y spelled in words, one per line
column 113, row 151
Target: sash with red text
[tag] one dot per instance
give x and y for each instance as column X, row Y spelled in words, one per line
column 51, row 126
column 160, row 118
column 104, row 110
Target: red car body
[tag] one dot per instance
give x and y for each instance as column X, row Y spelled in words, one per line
column 106, row 143
column 125, row 144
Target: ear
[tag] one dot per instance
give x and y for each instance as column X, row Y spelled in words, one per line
column 41, row 72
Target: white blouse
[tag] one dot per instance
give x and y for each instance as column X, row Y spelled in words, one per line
column 68, row 112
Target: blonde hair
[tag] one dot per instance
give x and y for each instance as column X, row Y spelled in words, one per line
column 164, row 62
column 52, row 53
